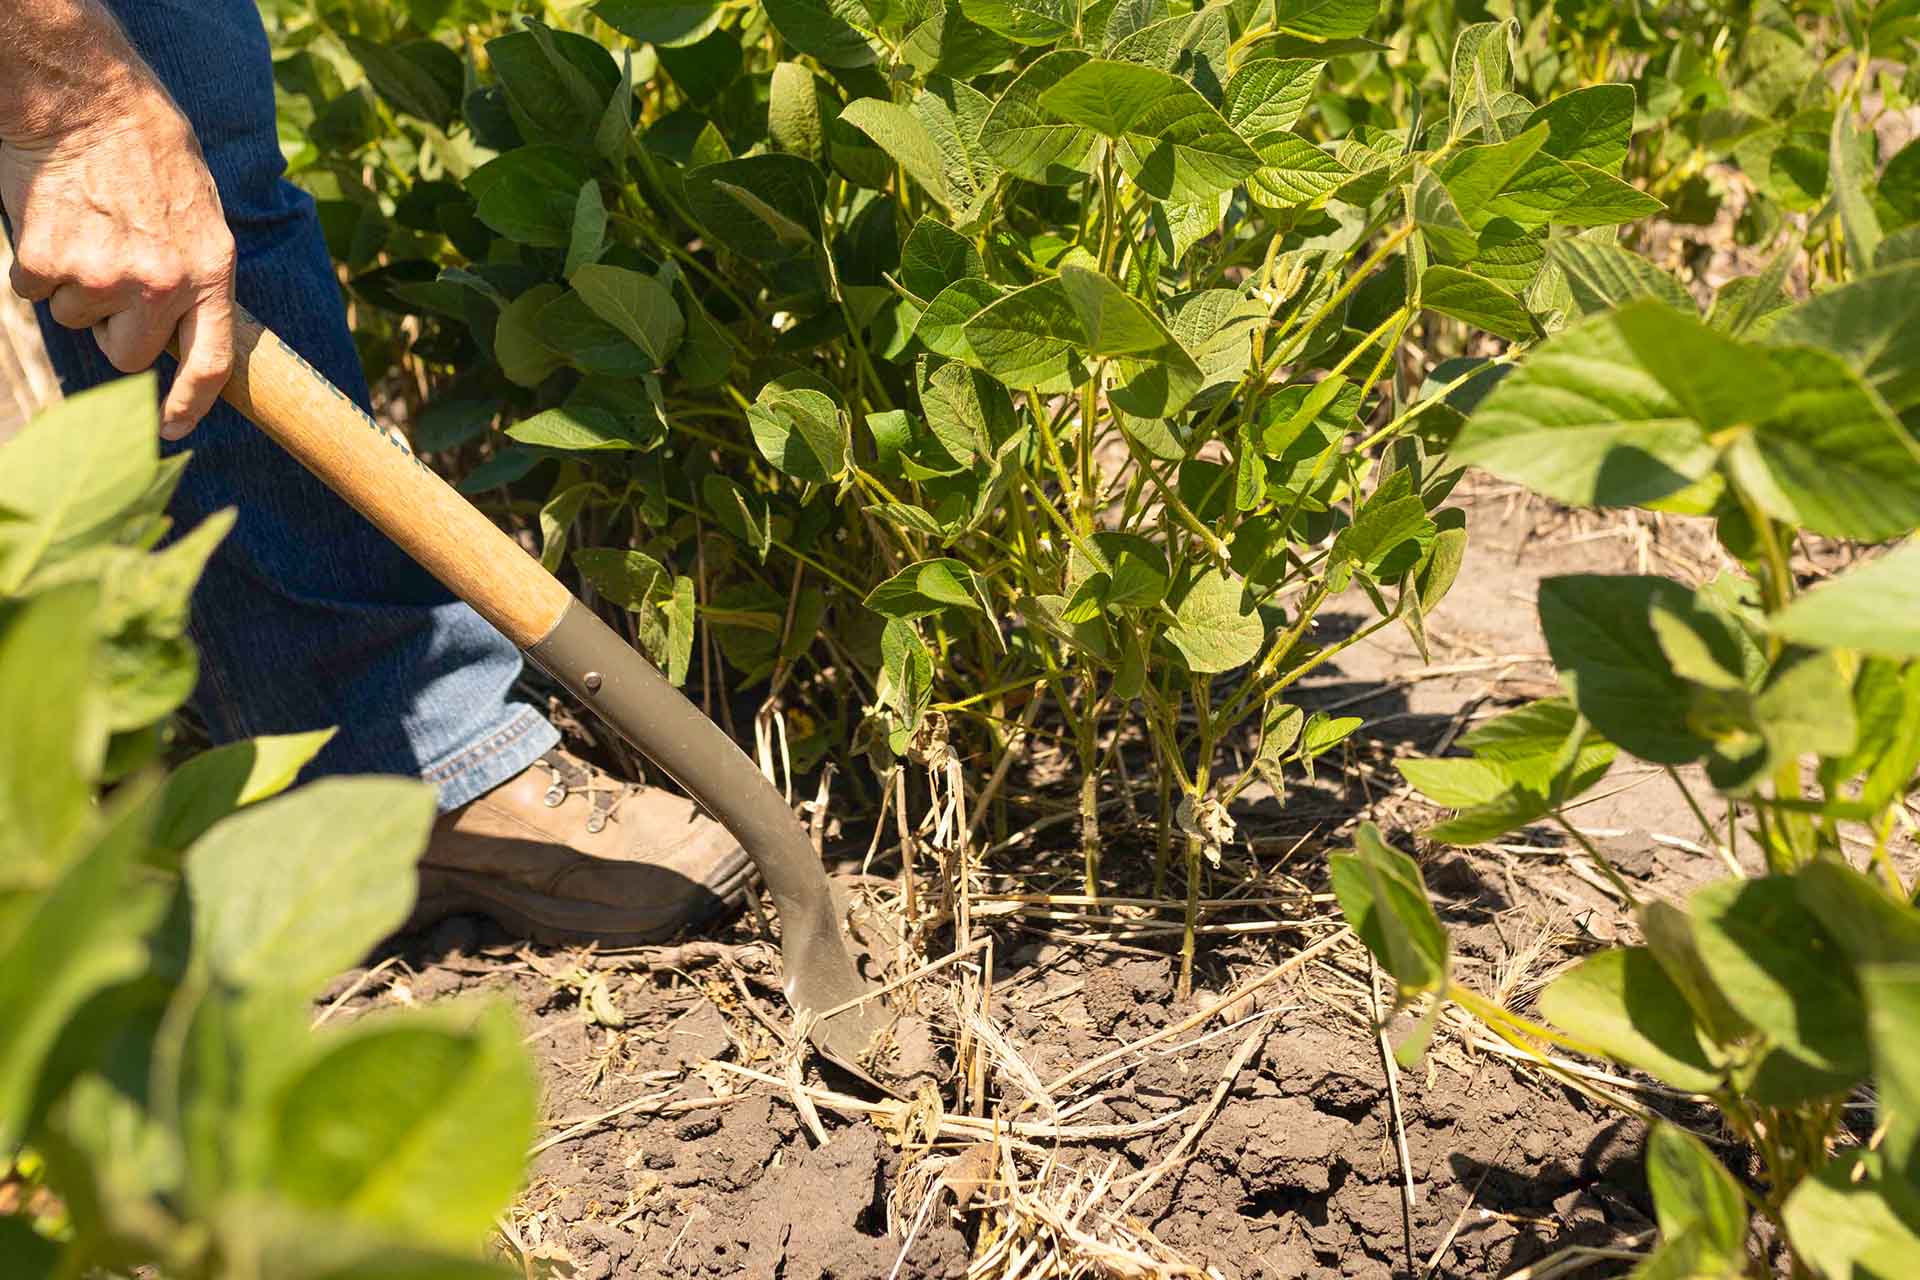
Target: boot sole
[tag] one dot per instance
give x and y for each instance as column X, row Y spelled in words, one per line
column 552, row 921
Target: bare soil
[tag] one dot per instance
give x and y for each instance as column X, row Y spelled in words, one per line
column 1260, row 1143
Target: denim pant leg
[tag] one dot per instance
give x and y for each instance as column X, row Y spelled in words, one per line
column 307, row 617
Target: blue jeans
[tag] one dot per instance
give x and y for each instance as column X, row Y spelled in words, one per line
column 307, row 616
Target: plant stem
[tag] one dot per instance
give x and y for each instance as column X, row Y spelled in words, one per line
column 1194, row 855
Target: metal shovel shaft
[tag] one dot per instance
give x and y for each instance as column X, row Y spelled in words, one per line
column 376, row 471
column 625, row 690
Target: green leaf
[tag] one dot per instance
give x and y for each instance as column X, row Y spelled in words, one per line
column 1384, row 899
column 1866, row 322
column 529, row 194
column 661, row 22
column 628, row 578
column 557, row 517
column 1600, row 633
column 969, row 413
column 1844, row 1227
column 943, row 325
column 1703, row 645
column 1030, row 142
column 793, row 112
column 1325, row 19
column 636, row 304
column 1268, row 95
column 946, row 43
column 613, row 136
column 745, row 517
column 215, row 783
column 1582, row 421
column 1781, row 970
column 589, row 238
column 1873, row 607
column 1588, row 126
column 1476, row 300
column 1604, row 275
column 1389, row 533
column 1692, row 1191
column 1829, row 456
column 1846, row 158
column 557, row 82
column 1027, row 338
column 1280, row 725
column 420, row 78
column 290, row 891
column 1133, row 570
column 418, row 1124
column 681, row 617
column 1445, row 555
column 1481, row 70
column 576, row 433
column 900, row 133
column 1600, row 200
column 523, row 354
column 1881, row 939
column 1886, row 710
column 802, row 432
column 833, row 31
column 1525, row 763
column 568, row 326
column 1455, row 783
column 766, row 208
column 1478, row 176
column 1169, row 139
column 1322, row 733
column 1114, row 322
column 1217, row 628
column 1025, row 21
column 1716, row 381
column 81, row 929
column 1293, row 172
column 1623, row 1003
column 1192, row 45
column 1442, row 225
column 1748, row 306
column 927, row 587
column 51, row 741
column 1806, row 707
column 72, row 474
column 907, row 666
column 936, row 256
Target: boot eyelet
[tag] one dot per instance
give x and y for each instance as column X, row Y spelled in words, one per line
column 596, row 823
column 555, row 797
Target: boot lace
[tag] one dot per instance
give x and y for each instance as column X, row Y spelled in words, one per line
column 567, row 776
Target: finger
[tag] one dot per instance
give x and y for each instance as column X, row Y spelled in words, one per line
column 206, row 362
column 78, row 307
column 30, row 284
column 133, row 338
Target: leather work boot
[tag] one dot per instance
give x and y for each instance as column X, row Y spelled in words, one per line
column 565, row 853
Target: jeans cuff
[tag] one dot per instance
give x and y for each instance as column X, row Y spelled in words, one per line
column 504, row 751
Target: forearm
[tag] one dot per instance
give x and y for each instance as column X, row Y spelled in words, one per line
column 65, row 66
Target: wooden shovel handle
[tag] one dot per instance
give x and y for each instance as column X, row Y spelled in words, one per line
column 375, row 470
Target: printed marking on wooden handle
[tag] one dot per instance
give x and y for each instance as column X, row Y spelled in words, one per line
column 375, row 470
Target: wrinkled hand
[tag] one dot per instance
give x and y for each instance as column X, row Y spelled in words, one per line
column 118, row 227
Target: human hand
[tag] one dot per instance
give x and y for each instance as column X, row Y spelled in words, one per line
column 118, row 227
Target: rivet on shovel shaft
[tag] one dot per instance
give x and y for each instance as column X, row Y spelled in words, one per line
column 592, row 681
